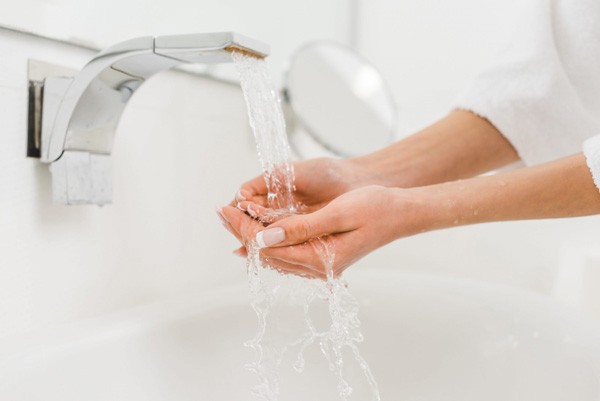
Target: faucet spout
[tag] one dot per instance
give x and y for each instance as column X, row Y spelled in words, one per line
column 80, row 114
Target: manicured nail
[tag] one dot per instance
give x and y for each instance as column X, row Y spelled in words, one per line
column 270, row 237
column 239, row 206
column 239, row 197
column 251, row 211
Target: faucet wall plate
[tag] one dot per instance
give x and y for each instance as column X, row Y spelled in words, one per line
column 37, row 72
column 80, row 112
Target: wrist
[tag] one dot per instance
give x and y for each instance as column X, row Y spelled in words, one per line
column 380, row 169
column 423, row 209
column 359, row 172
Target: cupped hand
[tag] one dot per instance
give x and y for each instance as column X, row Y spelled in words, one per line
column 318, row 181
column 357, row 223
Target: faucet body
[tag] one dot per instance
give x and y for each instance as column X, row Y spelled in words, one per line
column 80, row 114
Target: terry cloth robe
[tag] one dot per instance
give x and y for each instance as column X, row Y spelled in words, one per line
column 543, row 90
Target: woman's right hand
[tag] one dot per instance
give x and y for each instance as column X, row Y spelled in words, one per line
column 318, row 182
column 355, row 223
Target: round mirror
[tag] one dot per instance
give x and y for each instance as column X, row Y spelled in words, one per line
column 337, row 100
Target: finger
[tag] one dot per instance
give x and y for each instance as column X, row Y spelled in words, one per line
column 260, row 200
column 283, row 266
column 301, row 228
column 244, row 225
column 340, row 252
column 241, row 252
column 227, row 225
column 244, row 196
column 256, row 186
column 261, row 213
column 303, row 255
column 254, row 190
column 297, row 270
column 253, row 209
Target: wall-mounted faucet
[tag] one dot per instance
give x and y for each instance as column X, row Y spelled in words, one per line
column 75, row 126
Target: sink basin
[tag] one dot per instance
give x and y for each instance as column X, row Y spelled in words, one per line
column 426, row 339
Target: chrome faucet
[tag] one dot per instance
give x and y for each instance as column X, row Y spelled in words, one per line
column 79, row 114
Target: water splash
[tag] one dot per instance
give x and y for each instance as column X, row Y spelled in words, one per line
column 267, row 286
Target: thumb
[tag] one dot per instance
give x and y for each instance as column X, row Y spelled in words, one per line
column 300, row 228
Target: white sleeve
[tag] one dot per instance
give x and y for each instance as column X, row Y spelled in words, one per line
column 591, row 150
column 543, row 92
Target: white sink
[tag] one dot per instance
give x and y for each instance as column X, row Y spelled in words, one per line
column 426, row 339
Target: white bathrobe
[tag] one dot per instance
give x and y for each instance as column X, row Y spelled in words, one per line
column 543, row 90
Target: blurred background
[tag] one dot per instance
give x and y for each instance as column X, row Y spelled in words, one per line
column 183, row 147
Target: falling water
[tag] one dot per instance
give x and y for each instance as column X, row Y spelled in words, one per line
column 266, row 285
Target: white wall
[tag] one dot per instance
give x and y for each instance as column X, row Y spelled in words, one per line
column 181, row 149
column 284, row 25
column 428, row 50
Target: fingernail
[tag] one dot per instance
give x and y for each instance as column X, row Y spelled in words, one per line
column 239, row 206
column 251, row 211
column 239, row 197
column 270, row 237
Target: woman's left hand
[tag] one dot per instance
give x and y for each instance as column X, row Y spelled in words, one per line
column 357, row 222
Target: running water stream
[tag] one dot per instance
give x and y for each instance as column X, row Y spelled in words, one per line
column 273, row 343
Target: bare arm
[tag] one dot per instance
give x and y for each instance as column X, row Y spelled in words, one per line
column 562, row 188
column 369, row 217
column 461, row 145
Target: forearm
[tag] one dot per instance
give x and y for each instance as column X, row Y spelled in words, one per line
column 563, row 188
column 461, row 145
